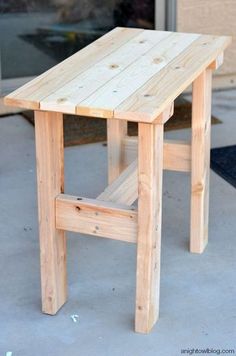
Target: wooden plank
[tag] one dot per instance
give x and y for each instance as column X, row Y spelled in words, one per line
column 50, row 162
column 176, row 156
column 116, row 131
column 129, row 150
column 93, row 217
column 134, row 74
column 89, row 82
column 150, row 166
column 201, row 125
column 30, row 95
column 165, row 115
column 6, row 110
column 125, row 188
column 147, row 103
column 110, row 95
column 217, row 62
column 6, row 86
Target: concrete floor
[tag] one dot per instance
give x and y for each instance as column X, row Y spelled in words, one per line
column 197, row 309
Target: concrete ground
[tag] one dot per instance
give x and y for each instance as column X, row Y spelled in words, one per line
column 197, row 308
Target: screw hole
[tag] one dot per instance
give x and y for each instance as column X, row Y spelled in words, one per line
column 113, row 66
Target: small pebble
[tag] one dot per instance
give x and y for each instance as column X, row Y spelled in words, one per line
column 75, row 318
column 27, row 228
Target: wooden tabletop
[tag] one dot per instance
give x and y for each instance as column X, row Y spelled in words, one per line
column 132, row 74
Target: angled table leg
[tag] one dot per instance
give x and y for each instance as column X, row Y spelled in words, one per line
column 50, row 177
column 150, row 169
column 116, row 131
column 201, row 130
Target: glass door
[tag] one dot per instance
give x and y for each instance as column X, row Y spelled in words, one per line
column 37, row 34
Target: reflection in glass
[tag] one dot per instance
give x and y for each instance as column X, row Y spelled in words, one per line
column 36, row 34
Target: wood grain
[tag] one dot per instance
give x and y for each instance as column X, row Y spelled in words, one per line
column 148, row 102
column 150, row 168
column 30, row 95
column 98, row 218
column 200, row 169
column 50, row 178
column 176, row 154
column 134, row 76
column 116, row 131
column 129, row 74
column 83, row 86
column 123, row 189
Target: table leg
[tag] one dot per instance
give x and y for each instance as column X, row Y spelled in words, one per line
column 201, row 128
column 50, row 177
column 116, row 131
column 150, row 170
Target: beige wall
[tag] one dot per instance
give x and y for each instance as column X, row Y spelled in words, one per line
column 211, row 17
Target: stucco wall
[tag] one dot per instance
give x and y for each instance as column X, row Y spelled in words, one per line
column 211, row 17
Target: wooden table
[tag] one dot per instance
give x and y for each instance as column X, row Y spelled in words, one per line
column 134, row 75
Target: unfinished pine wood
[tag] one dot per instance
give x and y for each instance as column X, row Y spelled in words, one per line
column 150, row 168
column 129, row 150
column 165, row 115
column 176, row 154
column 201, row 127
column 30, row 95
column 125, row 188
column 50, row 178
column 111, row 66
column 93, row 217
column 128, row 74
column 217, row 62
column 116, row 131
column 6, row 110
column 135, row 76
column 150, row 100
